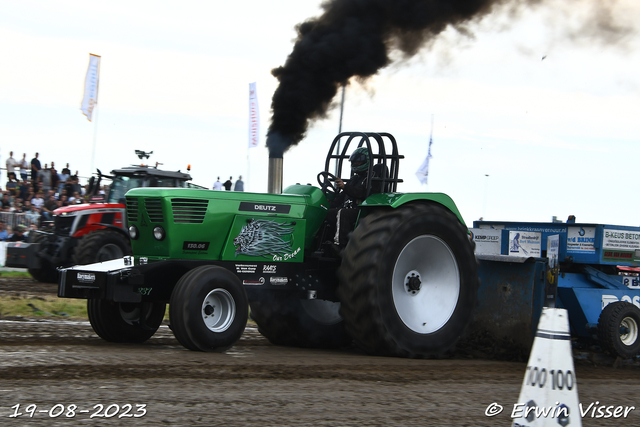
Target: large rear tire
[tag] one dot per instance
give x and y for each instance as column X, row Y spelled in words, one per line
column 285, row 319
column 618, row 329
column 100, row 246
column 125, row 322
column 47, row 273
column 208, row 309
column 408, row 281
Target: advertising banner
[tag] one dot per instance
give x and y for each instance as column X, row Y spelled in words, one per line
column 525, row 243
column 254, row 117
column 90, row 99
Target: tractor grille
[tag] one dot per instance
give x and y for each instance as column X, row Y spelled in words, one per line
column 63, row 224
column 189, row 211
column 132, row 209
column 154, row 210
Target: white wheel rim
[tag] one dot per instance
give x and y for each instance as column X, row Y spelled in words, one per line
column 427, row 309
column 218, row 310
column 130, row 316
column 630, row 337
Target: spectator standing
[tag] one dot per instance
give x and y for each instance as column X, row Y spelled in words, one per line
column 72, row 185
column 24, row 165
column 9, row 233
column 45, row 177
column 35, row 168
column 227, row 184
column 217, row 185
column 11, row 165
column 68, row 188
column 239, row 184
column 54, row 177
column 63, row 177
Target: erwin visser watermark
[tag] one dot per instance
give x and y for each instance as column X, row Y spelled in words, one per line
column 591, row 410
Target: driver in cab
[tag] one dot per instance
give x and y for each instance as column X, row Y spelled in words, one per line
column 343, row 211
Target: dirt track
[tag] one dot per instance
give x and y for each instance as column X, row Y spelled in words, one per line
column 49, row 363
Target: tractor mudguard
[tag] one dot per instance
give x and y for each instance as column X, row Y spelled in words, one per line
column 112, row 227
column 395, row 200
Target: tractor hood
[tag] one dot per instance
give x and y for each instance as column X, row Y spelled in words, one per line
column 67, row 210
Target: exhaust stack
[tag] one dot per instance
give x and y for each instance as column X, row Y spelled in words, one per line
column 274, row 180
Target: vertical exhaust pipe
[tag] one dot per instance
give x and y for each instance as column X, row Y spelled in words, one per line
column 274, row 180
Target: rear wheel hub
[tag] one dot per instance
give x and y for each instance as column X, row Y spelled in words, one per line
column 413, row 282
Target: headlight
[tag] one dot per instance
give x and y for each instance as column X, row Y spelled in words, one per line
column 133, row 232
column 158, row 233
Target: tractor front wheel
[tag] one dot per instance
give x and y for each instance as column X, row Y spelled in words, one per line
column 125, row 322
column 618, row 331
column 408, row 281
column 208, row 309
column 100, row 246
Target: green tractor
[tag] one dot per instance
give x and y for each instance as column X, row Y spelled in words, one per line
column 405, row 284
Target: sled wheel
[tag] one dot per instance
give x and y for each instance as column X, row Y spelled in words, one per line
column 408, row 281
column 208, row 309
column 285, row 319
column 47, row 273
column 125, row 322
column 100, row 246
column 618, row 329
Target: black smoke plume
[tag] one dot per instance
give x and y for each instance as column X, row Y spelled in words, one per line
column 353, row 38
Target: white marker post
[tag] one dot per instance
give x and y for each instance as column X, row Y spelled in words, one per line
column 549, row 394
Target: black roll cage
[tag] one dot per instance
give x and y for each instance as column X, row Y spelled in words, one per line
column 389, row 162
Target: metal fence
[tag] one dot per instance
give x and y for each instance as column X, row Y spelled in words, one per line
column 14, row 219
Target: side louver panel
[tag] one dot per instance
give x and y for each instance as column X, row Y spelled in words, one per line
column 154, row 210
column 189, row 211
column 132, row 209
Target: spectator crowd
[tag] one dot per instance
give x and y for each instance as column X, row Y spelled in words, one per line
column 32, row 193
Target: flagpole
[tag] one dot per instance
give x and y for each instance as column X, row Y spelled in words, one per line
column 248, row 169
column 95, row 137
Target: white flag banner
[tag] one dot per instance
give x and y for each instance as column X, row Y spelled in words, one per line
column 90, row 99
column 254, row 117
column 423, row 172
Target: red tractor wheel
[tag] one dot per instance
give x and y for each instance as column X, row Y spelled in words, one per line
column 101, row 245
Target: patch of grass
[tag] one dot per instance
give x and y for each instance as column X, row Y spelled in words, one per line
column 43, row 307
column 16, row 274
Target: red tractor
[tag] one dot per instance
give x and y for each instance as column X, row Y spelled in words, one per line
column 90, row 232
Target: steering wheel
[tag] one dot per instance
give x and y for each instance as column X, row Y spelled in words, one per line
column 326, row 179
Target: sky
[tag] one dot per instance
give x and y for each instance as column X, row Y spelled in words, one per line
column 533, row 115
